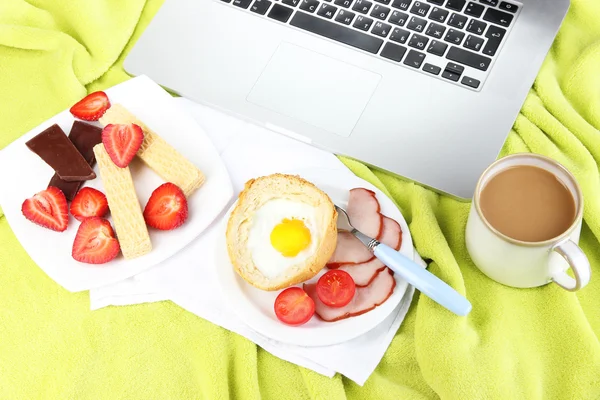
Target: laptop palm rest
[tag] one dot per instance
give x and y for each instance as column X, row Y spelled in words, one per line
column 314, row 88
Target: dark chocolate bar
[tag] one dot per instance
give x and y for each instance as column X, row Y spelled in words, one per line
column 84, row 137
column 53, row 146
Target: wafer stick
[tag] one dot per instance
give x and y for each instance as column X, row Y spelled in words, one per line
column 167, row 162
column 124, row 206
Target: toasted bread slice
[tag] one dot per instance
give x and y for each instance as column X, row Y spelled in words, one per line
column 258, row 192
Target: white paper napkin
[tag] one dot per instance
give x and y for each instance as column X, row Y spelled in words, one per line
column 189, row 280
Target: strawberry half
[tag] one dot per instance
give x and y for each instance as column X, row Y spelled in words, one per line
column 89, row 202
column 167, row 208
column 48, row 208
column 122, row 141
column 95, row 242
column 91, row 107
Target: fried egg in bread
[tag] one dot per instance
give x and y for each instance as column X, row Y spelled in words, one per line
column 281, row 232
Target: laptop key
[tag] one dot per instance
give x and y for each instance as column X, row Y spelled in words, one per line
column 473, row 43
column 327, row 11
column 450, row 75
column 292, row 3
column 362, row 6
column 401, row 4
column 309, row 5
column 476, row 26
column 492, row 3
column 380, row 12
column 498, row 17
column 280, row 13
column 455, row 68
column 474, row 9
column 432, row 69
column 416, row 24
column 345, row 17
column 381, row 29
column 474, row 83
column 398, row 18
column 392, row 51
column 454, row 36
column 435, row 30
column 420, row 8
column 468, row 58
column 437, row 48
column 439, row 14
column 414, row 59
column 363, row 23
column 494, row 35
column 260, row 6
column 386, row 2
column 491, row 47
column 399, row 35
column 437, row 2
column 508, row 7
column 456, row 5
column 457, row 20
column 343, row 3
column 418, row 42
column 337, row 32
column 242, row 3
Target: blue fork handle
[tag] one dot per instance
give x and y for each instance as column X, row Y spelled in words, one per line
column 429, row 284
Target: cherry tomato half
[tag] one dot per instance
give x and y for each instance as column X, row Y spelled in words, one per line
column 294, row 307
column 336, row 288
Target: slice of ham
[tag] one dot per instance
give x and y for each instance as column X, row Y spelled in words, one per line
column 365, row 298
column 364, row 273
column 363, row 210
column 391, row 233
column 349, row 250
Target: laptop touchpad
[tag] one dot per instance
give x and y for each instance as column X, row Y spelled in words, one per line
column 314, row 88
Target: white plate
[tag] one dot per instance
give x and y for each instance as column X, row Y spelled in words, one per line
column 255, row 306
column 23, row 174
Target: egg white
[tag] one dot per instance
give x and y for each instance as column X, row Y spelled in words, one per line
column 270, row 262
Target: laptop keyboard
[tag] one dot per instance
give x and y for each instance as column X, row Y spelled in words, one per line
column 454, row 40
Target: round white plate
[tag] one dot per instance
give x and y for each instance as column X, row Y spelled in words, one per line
column 255, row 306
column 52, row 250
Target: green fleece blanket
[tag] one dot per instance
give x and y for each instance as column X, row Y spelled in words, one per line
column 516, row 344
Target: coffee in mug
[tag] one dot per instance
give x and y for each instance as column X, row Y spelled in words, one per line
column 527, row 203
column 525, row 222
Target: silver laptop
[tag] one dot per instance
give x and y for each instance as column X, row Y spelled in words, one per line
column 427, row 90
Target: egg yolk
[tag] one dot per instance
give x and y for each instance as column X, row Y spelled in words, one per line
column 290, row 237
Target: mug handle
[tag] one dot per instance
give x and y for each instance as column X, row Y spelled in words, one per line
column 579, row 264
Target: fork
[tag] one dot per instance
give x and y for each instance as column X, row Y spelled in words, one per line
column 429, row 284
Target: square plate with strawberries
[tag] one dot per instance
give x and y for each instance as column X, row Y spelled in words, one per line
column 96, row 234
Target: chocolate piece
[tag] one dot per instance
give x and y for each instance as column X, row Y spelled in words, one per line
column 53, row 146
column 84, row 137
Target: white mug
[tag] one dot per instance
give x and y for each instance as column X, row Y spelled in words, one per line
column 528, row 264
